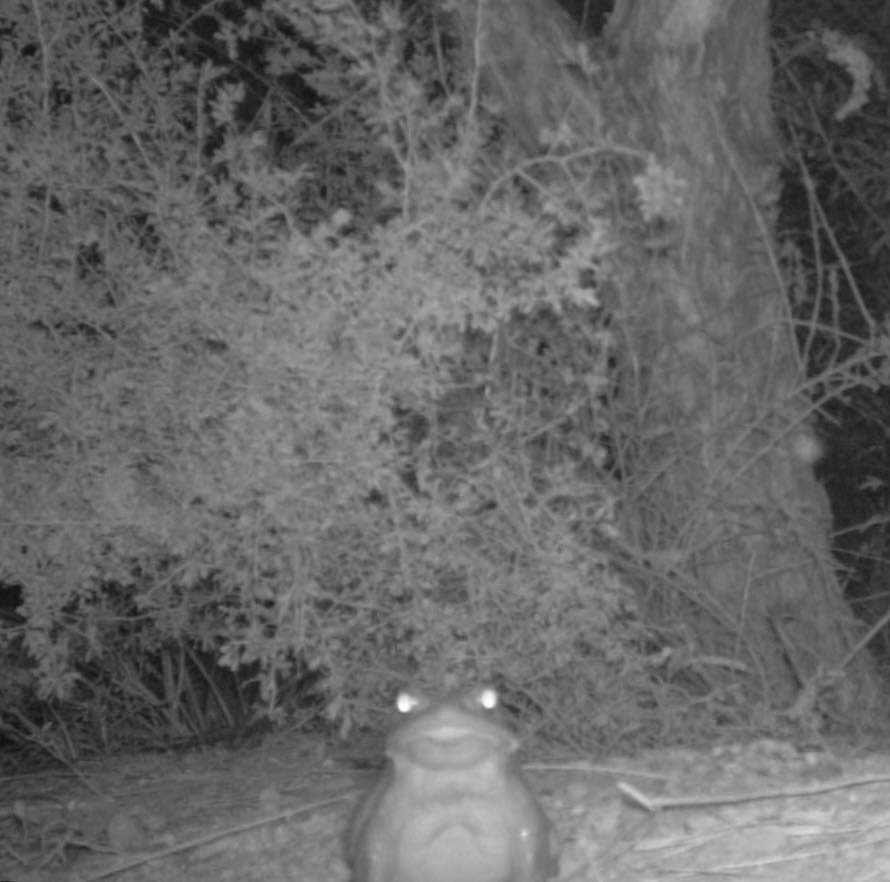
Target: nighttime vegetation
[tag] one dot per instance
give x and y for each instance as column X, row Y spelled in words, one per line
column 351, row 344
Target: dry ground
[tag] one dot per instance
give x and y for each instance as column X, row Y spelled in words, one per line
column 276, row 812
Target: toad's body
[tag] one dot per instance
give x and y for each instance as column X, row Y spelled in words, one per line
column 452, row 805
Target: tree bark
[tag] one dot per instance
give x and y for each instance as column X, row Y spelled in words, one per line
column 732, row 514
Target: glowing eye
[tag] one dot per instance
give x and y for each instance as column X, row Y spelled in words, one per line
column 407, row 702
column 488, row 698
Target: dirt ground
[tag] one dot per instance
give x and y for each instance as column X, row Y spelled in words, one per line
column 763, row 811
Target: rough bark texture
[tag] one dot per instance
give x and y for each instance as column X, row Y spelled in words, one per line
column 740, row 515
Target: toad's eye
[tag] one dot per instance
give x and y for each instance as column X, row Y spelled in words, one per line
column 487, row 698
column 408, row 702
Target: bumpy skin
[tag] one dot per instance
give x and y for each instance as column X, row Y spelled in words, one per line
column 452, row 805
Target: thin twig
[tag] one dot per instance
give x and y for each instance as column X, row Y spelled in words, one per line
column 658, row 803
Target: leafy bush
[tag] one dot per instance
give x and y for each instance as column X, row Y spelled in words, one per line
column 336, row 399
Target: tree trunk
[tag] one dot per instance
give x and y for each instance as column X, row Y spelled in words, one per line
column 732, row 523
